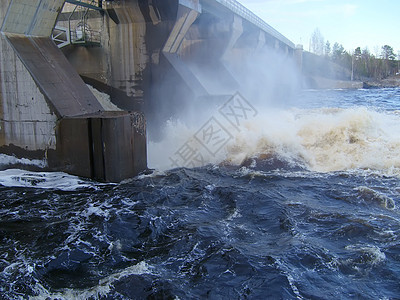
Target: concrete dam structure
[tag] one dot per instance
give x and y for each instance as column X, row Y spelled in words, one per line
column 145, row 57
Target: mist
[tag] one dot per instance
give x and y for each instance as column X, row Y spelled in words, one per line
column 265, row 80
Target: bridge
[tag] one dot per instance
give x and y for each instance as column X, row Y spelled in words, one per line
column 148, row 56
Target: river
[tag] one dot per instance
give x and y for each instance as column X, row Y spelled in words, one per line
column 302, row 202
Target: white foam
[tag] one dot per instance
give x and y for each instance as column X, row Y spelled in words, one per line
column 6, row 160
column 370, row 195
column 375, row 254
column 43, row 180
column 96, row 210
column 322, row 140
column 97, row 292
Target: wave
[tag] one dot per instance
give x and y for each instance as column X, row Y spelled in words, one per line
column 44, row 180
column 369, row 255
column 97, row 292
column 321, row 140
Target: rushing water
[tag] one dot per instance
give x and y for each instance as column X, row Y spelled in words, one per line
column 304, row 203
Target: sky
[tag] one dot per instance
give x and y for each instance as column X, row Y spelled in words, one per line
column 357, row 23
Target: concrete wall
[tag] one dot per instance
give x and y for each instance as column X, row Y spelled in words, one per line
column 46, row 109
column 38, row 85
column 26, row 119
column 36, row 17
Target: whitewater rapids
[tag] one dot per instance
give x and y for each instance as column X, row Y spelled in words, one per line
column 317, row 139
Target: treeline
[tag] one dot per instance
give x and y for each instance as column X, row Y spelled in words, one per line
column 360, row 62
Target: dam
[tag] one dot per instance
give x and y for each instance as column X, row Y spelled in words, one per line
column 82, row 82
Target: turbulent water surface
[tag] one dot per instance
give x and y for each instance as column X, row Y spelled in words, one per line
column 302, row 203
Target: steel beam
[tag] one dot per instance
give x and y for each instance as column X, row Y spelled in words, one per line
column 84, row 4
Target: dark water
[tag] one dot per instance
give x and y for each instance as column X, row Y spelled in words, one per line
column 270, row 230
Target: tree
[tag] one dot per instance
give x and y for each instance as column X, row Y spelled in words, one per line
column 317, row 42
column 366, row 66
column 357, row 53
column 387, row 53
column 365, row 54
column 389, row 65
column 327, row 48
column 337, row 51
column 355, row 65
column 398, row 62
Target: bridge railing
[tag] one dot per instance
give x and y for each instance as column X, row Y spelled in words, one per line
column 247, row 14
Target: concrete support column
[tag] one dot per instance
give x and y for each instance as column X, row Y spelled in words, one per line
column 236, row 32
column 128, row 51
column 298, row 55
column 188, row 11
column 261, row 41
column 277, row 45
column 129, row 58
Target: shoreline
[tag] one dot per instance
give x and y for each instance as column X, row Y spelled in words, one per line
column 325, row 83
column 390, row 82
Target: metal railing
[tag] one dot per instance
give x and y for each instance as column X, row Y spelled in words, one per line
column 82, row 34
column 85, row 36
column 247, row 14
column 78, row 30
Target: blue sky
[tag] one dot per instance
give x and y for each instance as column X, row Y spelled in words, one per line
column 364, row 23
